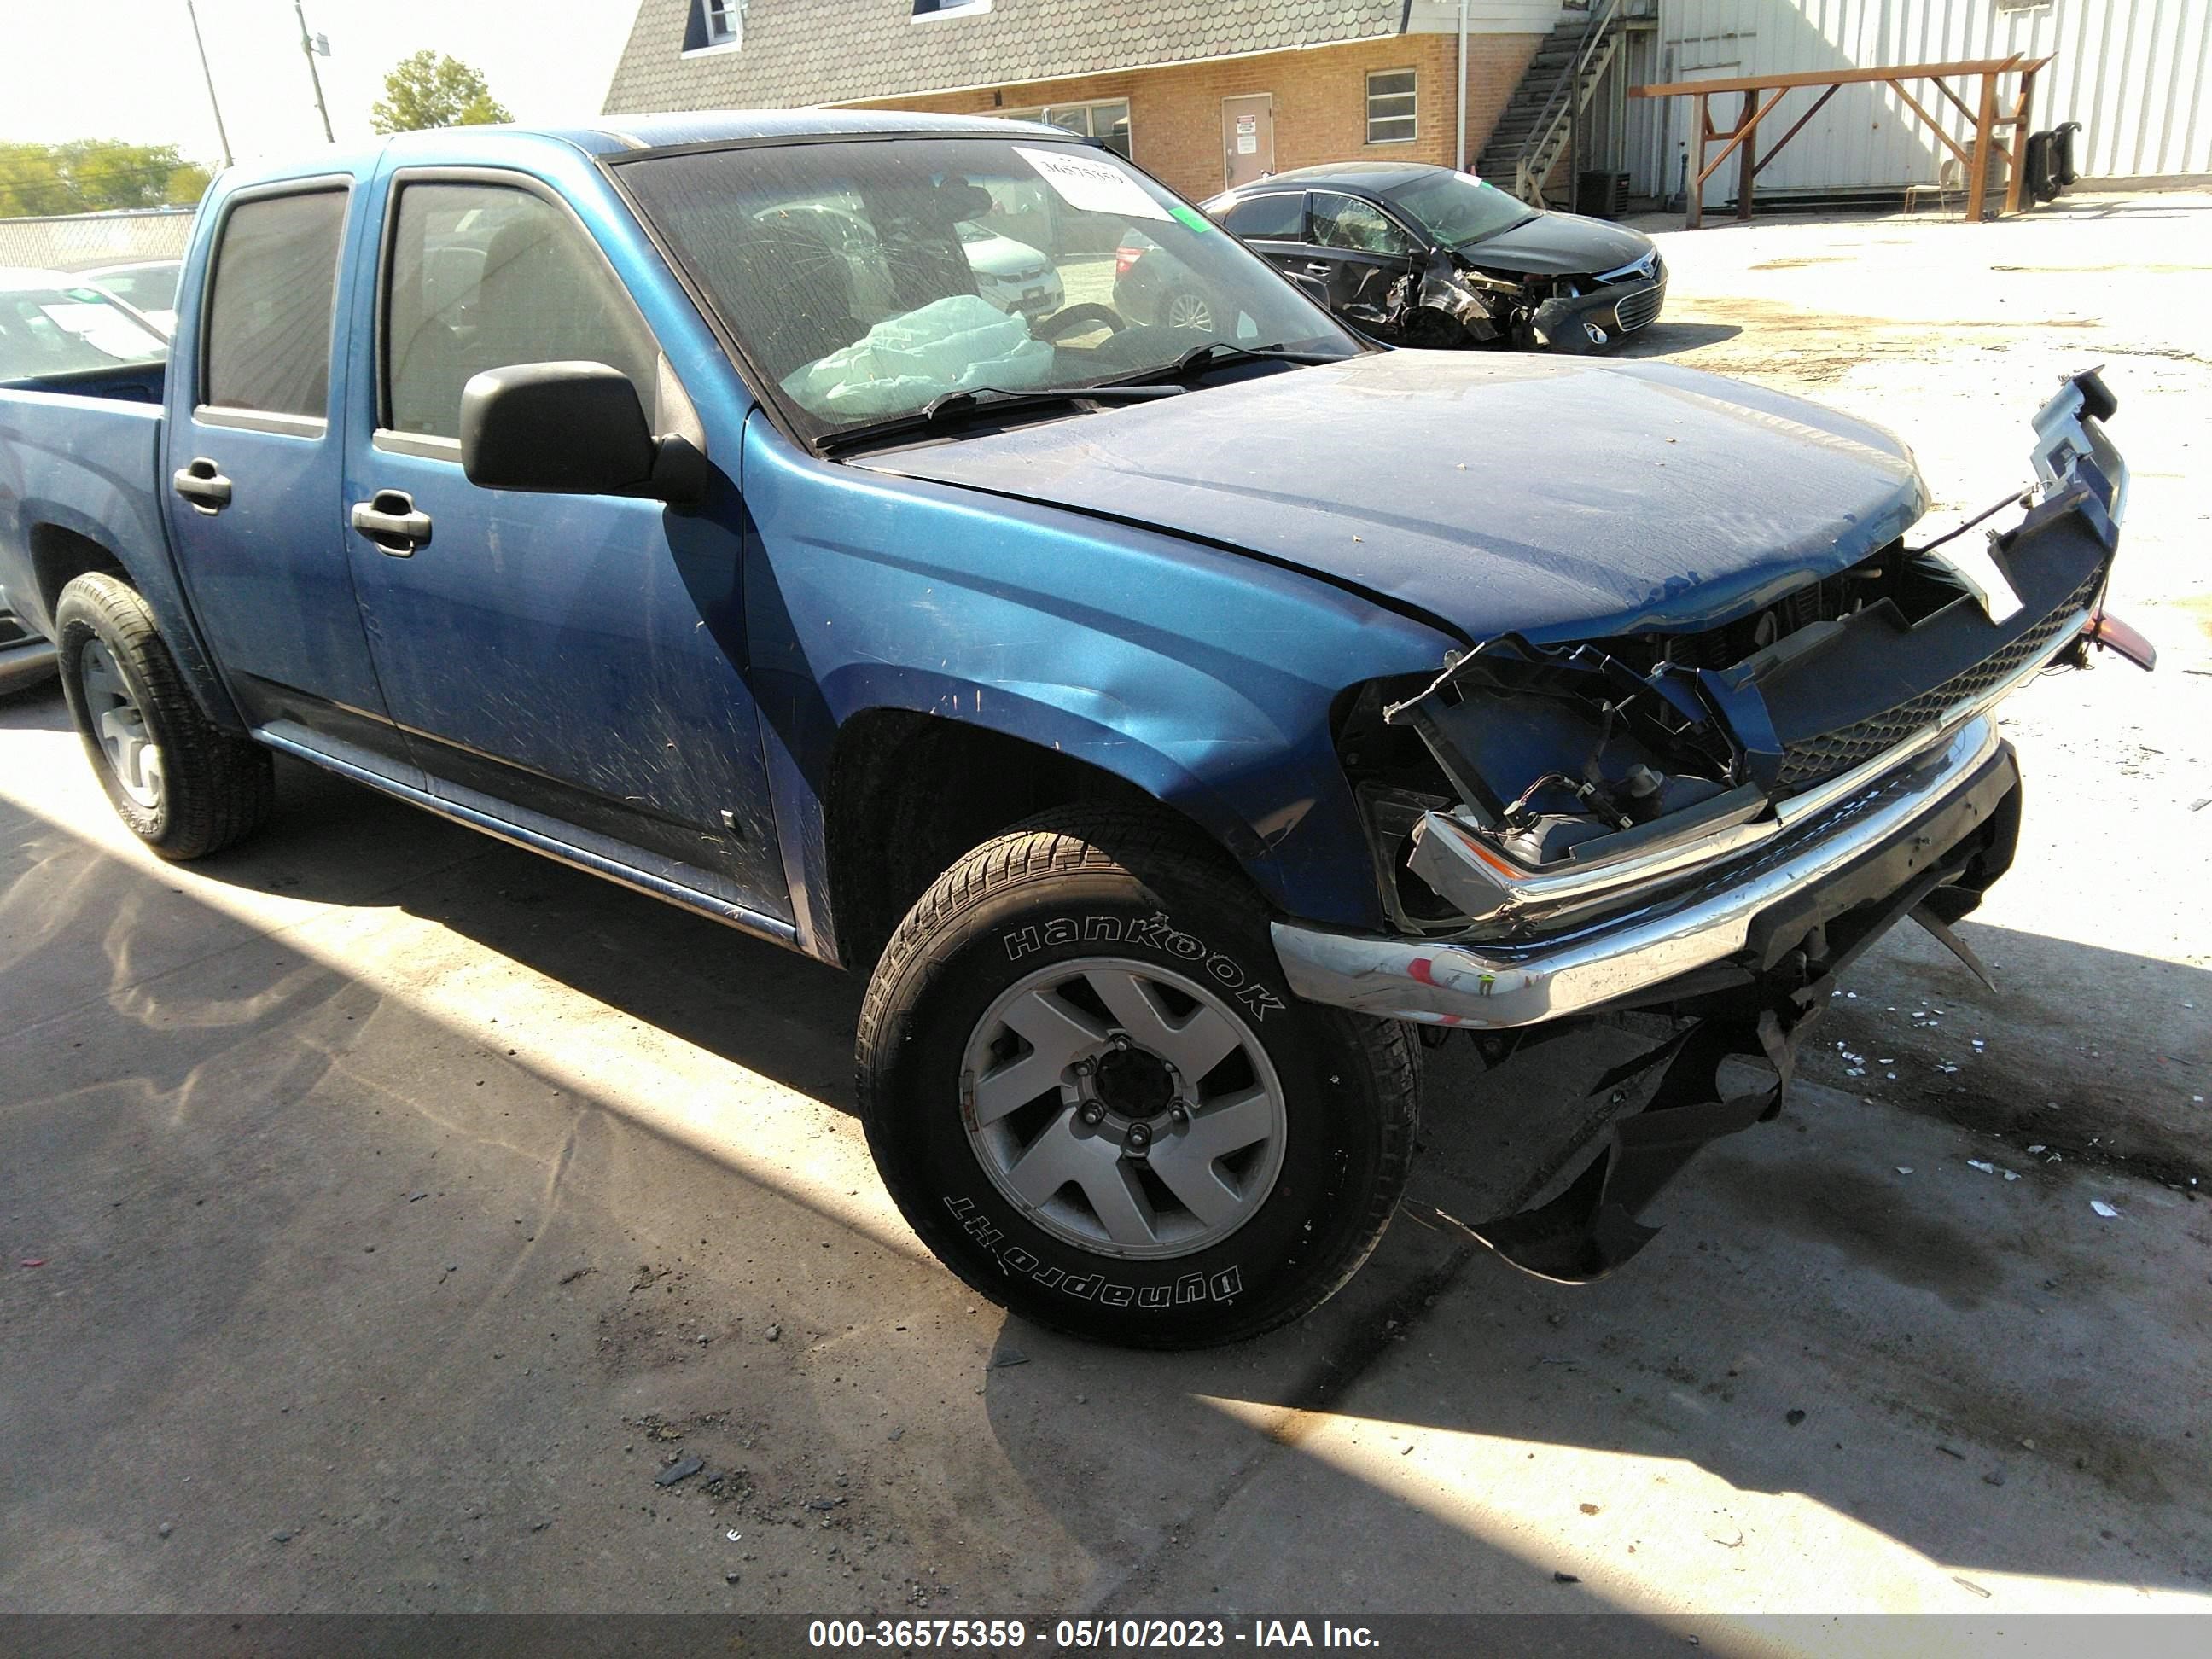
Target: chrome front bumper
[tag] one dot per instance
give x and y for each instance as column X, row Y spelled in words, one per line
column 1498, row 983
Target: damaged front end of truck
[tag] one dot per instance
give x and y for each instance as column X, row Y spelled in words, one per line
column 1712, row 823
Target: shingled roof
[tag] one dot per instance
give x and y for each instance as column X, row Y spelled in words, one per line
column 821, row 51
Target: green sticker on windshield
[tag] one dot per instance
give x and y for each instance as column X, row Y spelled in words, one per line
column 1192, row 218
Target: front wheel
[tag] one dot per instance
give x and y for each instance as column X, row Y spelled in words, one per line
column 1091, row 1094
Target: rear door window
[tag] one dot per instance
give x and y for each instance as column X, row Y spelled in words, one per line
column 1276, row 218
column 272, row 288
column 486, row 276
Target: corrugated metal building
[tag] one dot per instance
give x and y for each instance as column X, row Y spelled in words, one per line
column 2134, row 73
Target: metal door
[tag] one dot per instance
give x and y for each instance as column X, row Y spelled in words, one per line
column 1248, row 138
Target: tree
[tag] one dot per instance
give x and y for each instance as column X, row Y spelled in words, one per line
column 92, row 175
column 432, row 90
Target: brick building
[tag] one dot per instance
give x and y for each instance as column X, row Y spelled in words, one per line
column 1201, row 93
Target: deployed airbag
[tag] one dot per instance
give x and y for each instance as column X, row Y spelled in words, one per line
column 960, row 344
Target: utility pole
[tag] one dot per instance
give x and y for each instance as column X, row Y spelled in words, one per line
column 1461, row 162
column 208, row 74
column 308, row 47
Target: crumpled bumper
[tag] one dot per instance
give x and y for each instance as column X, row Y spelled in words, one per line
column 1942, row 811
column 1598, row 319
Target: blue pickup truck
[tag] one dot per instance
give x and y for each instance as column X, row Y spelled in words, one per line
column 1177, row 725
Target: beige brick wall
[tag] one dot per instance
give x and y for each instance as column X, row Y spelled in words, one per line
column 1321, row 103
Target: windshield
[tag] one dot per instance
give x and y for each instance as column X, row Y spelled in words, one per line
column 150, row 288
column 1456, row 209
column 868, row 279
column 57, row 331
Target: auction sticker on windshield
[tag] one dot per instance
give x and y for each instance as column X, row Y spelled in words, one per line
column 1090, row 186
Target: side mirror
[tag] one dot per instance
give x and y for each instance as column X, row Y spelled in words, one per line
column 566, row 429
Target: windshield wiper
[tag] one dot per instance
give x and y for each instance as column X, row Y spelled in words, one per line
column 949, row 407
column 1224, row 352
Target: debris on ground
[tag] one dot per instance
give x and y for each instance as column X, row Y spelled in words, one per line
column 1977, row 1164
column 1565, row 1578
column 774, row 1333
column 1007, row 1357
column 2104, row 1209
column 682, row 1469
column 1794, row 1417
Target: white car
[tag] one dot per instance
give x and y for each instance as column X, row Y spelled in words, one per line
column 1012, row 276
column 149, row 287
column 55, row 324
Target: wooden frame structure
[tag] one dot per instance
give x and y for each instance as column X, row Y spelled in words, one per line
column 1743, row 138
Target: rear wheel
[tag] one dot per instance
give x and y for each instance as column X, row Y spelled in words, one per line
column 186, row 786
column 1091, row 1094
column 1186, row 307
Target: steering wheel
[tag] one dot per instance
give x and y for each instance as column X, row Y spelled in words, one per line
column 1074, row 319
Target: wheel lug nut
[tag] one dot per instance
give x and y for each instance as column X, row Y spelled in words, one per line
column 1179, row 1112
column 1092, row 1114
column 1120, row 1039
column 1139, row 1137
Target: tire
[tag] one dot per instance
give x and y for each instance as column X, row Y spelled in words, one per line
column 1293, row 1143
column 1186, row 308
column 186, row 786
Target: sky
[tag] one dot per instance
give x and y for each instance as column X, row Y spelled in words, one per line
column 126, row 69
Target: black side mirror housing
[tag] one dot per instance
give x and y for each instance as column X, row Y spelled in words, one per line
column 572, row 429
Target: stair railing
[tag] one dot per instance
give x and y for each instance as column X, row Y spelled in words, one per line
column 1561, row 105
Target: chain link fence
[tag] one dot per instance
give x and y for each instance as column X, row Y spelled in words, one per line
column 82, row 241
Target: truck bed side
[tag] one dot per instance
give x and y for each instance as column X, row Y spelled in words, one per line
column 80, row 489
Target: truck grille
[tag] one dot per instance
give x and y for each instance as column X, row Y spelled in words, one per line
column 1637, row 309
column 1829, row 754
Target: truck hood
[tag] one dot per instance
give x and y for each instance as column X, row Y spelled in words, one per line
column 1491, row 493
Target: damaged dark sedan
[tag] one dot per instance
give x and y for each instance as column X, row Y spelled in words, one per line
column 1424, row 256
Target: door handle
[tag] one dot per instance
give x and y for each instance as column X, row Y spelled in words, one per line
column 203, row 484
column 389, row 519
column 1319, row 268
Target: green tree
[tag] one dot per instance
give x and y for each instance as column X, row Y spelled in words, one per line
column 90, row 175
column 430, row 89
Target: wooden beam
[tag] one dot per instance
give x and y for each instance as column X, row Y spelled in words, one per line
column 1957, row 103
column 2022, row 110
column 1700, row 128
column 1747, row 168
column 1933, row 125
column 1977, row 169
column 1746, row 124
column 1776, row 149
column 1835, row 77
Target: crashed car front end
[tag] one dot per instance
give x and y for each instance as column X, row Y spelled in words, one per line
column 1452, row 300
column 1714, row 821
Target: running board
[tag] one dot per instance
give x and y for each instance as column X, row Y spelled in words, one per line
column 489, row 819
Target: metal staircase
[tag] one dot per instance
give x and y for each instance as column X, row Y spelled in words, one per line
column 1539, row 123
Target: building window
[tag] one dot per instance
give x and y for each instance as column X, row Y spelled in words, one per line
column 1391, row 106
column 948, row 7
column 1107, row 120
column 714, row 25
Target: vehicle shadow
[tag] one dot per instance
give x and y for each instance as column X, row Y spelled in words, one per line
column 1983, row 1388
column 1663, row 338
